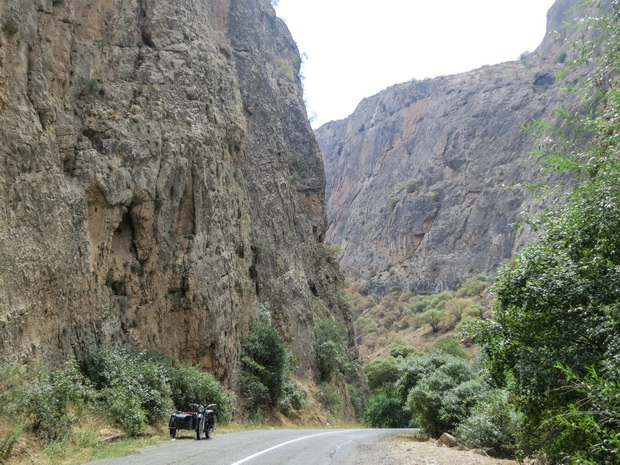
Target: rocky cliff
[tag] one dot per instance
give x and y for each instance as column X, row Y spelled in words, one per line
column 159, row 181
column 418, row 176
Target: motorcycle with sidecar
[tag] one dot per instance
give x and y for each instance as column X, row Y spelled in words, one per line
column 202, row 421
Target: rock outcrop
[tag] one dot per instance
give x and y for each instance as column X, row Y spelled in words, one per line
column 418, row 176
column 159, row 181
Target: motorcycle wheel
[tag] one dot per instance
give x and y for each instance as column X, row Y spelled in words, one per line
column 199, row 430
column 208, row 431
column 173, row 432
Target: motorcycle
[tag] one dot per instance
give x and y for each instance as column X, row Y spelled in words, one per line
column 202, row 421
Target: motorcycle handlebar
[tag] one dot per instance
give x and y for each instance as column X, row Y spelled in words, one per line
column 203, row 406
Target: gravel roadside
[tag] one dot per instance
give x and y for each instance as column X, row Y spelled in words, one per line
column 403, row 450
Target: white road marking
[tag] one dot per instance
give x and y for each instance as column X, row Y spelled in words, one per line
column 247, row 459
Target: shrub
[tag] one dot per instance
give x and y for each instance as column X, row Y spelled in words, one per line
column 264, row 361
column 6, row 446
column 330, row 397
column 473, row 286
column 440, row 390
column 296, row 162
column 358, row 398
column 401, row 350
column 190, row 385
column 333, row 358
column 392, row 202
column 413, row 185
column 433, row 318
column 134, row 389
column 493, row 424
column 382, row 371
column 293, row 398
column 387, row 410
column 56, row 401
column 453, row 347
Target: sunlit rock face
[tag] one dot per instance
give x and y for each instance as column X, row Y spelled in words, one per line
column 419, row 176
column 159, row 181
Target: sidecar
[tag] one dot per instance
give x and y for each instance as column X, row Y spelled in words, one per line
column 202, row 421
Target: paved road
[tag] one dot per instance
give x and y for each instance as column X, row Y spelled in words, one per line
column 264, row 447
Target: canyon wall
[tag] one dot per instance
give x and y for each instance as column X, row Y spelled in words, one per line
column 419, row 177
column 159, row 181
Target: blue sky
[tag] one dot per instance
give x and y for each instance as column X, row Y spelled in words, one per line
column 356, row 48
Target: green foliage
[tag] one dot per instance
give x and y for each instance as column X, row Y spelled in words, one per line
column 559, row 302
column 133, row 387
column 433, row 318
column 333, row 358
column 451, row 346
column 263, row 363
column 330, row 398
column 190, row 385
column 293, row 398
column 439, row 390
column 386, row 409
column 401, row 350
column 359, row 398
column 494, row 423
column 392, row 202
column 413, row 185
column 6, row 446
column 378, row 319
column 297, row 165
column 474, row 286
column 56, row 401
column 589, row 432
column 382, row 371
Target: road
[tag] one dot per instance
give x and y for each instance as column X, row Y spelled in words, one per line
column 264, row 447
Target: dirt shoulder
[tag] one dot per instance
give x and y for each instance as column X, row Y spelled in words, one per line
column 406, row 449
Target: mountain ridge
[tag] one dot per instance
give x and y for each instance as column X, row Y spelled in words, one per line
column 418, row 176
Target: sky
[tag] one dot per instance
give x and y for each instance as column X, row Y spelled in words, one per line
column 353, row 49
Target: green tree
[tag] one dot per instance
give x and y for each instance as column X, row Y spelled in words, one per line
column 386, row 409
column 382, row 371
column 559, row 301
column 333, row 358
column 264, row 361
column 433, row 317
column 440, row 390
column 494, row 423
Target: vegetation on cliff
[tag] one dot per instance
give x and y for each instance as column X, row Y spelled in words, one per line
column 551, row 351
column 554, row 341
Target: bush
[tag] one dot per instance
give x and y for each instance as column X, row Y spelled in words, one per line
column 452, row 346
column 382, row 371
column 264, row 363
column 6, row 446
column 440, row 390
column 134, row 389
column 387, row 410
column 330, row 397
column 359, row 398
column 333, row 358
column 473, row 286
column 56, row 401
column 190, row 385
column 293, row 398
column 433, row 318
column 493, row 424
column 392, row 202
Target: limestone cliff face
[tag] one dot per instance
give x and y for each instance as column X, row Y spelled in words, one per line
column 417, row 176
column 158, row 180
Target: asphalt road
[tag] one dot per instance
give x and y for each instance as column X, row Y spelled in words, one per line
column 263, row 447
